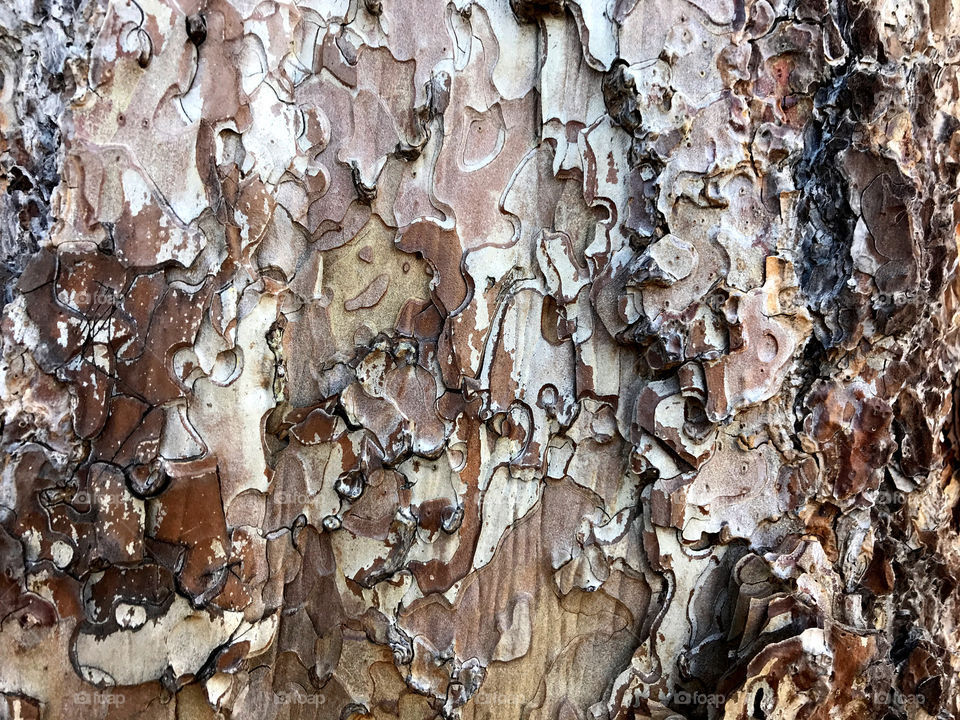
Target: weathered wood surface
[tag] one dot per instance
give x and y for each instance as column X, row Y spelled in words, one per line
column 542, row 359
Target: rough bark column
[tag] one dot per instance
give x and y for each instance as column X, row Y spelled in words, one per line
column 541, row 359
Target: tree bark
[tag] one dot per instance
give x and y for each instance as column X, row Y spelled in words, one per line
column 542, row 359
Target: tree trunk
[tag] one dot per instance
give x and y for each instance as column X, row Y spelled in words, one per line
column 542, row 359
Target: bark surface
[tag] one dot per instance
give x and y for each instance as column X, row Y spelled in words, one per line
column 541, row 359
